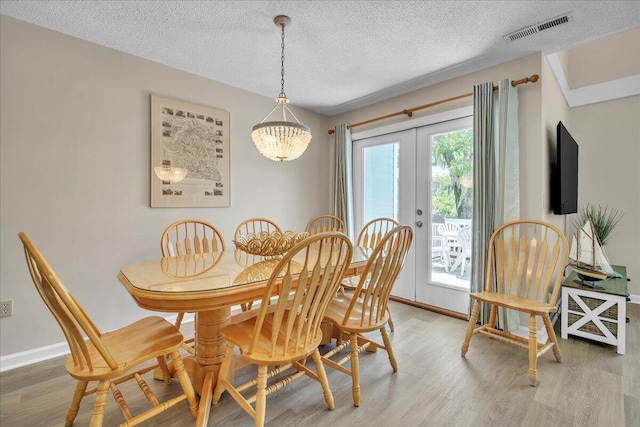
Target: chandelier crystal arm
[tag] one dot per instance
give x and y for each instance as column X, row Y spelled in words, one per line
column 269, row 113
column 290, row 112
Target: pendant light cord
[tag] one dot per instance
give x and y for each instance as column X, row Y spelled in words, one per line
column 282, row 95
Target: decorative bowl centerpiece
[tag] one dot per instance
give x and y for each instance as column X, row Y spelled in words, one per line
column 269, row 244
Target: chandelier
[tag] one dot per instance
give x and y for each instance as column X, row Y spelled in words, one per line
column 281, row 140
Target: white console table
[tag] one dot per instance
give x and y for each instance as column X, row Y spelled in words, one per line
column 596, row 314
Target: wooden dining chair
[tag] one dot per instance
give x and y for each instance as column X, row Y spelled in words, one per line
column 368, row 237
column 253, row 226
column 366, row 309
column 324, row 223
column 108, row 358
column 284, row 333
column 188, row 237
column 374, row 231
column 525, row 267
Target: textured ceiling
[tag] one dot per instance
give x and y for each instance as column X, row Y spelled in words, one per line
column 340, row 55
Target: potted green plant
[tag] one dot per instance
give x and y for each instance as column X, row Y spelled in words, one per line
column 604, row 220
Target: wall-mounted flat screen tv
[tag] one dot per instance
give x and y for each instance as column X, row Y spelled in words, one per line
column 564, row 184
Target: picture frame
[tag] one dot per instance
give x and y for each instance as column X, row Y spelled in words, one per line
column 192, row 137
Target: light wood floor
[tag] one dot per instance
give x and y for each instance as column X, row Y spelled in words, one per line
column 434, row 386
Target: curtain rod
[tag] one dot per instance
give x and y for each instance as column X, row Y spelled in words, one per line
column 409, row 112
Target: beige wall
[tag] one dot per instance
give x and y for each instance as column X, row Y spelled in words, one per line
column 608, row 135
column 554, row 109
column 608, row 59
column 75, row 156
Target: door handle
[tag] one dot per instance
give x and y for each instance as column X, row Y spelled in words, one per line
column 418, row 224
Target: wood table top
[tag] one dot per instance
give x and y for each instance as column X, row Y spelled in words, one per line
column 155, row 283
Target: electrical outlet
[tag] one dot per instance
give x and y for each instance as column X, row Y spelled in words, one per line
column 6, row 308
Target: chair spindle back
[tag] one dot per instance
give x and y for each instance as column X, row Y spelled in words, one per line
column 324, row 223
column 255, row 226
column 379, row 275
column 374, row 231
column 69, row 314
column 252, row 226
column 191, row 236
column 527, row 259
column 306, row 287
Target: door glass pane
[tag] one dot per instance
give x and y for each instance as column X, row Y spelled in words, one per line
column 380, row 182
column 451, row 206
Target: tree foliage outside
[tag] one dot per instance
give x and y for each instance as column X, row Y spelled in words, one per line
column 452, row 154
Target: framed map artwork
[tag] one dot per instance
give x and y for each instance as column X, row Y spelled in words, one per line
column 195, row 138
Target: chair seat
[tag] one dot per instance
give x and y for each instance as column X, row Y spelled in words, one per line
column 240, row 334
column 515, row 302
column 154, row 337
column 339, row 306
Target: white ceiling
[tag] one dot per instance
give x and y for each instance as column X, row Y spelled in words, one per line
column 339, row 55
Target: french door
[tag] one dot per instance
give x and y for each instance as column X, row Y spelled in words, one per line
column 416, row 176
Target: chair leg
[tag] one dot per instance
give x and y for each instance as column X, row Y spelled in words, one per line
column 222, row 373
column 387, row 346
column 533, row 351
column 493, row 316
column 81, row 387
column 355, row 369
column 164, row 368
column 322, row 375
column 185, row 382
column 392, row 327
column 261, row 396
column 470, row 326
column 97, row 416
column 552, row 336
column 179, row 320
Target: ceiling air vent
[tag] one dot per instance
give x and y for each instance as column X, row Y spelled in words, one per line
column 541, row 26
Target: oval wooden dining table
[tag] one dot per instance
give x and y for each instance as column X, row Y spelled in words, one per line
column 207, row 285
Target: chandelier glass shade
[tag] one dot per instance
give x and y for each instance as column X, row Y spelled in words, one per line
column 169, row 173
column 281, row 140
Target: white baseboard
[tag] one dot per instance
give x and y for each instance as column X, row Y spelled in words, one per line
column 635, row 299
column 24, row 358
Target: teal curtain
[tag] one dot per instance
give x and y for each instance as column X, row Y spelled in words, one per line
column 496, row 188
column 343, row 181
